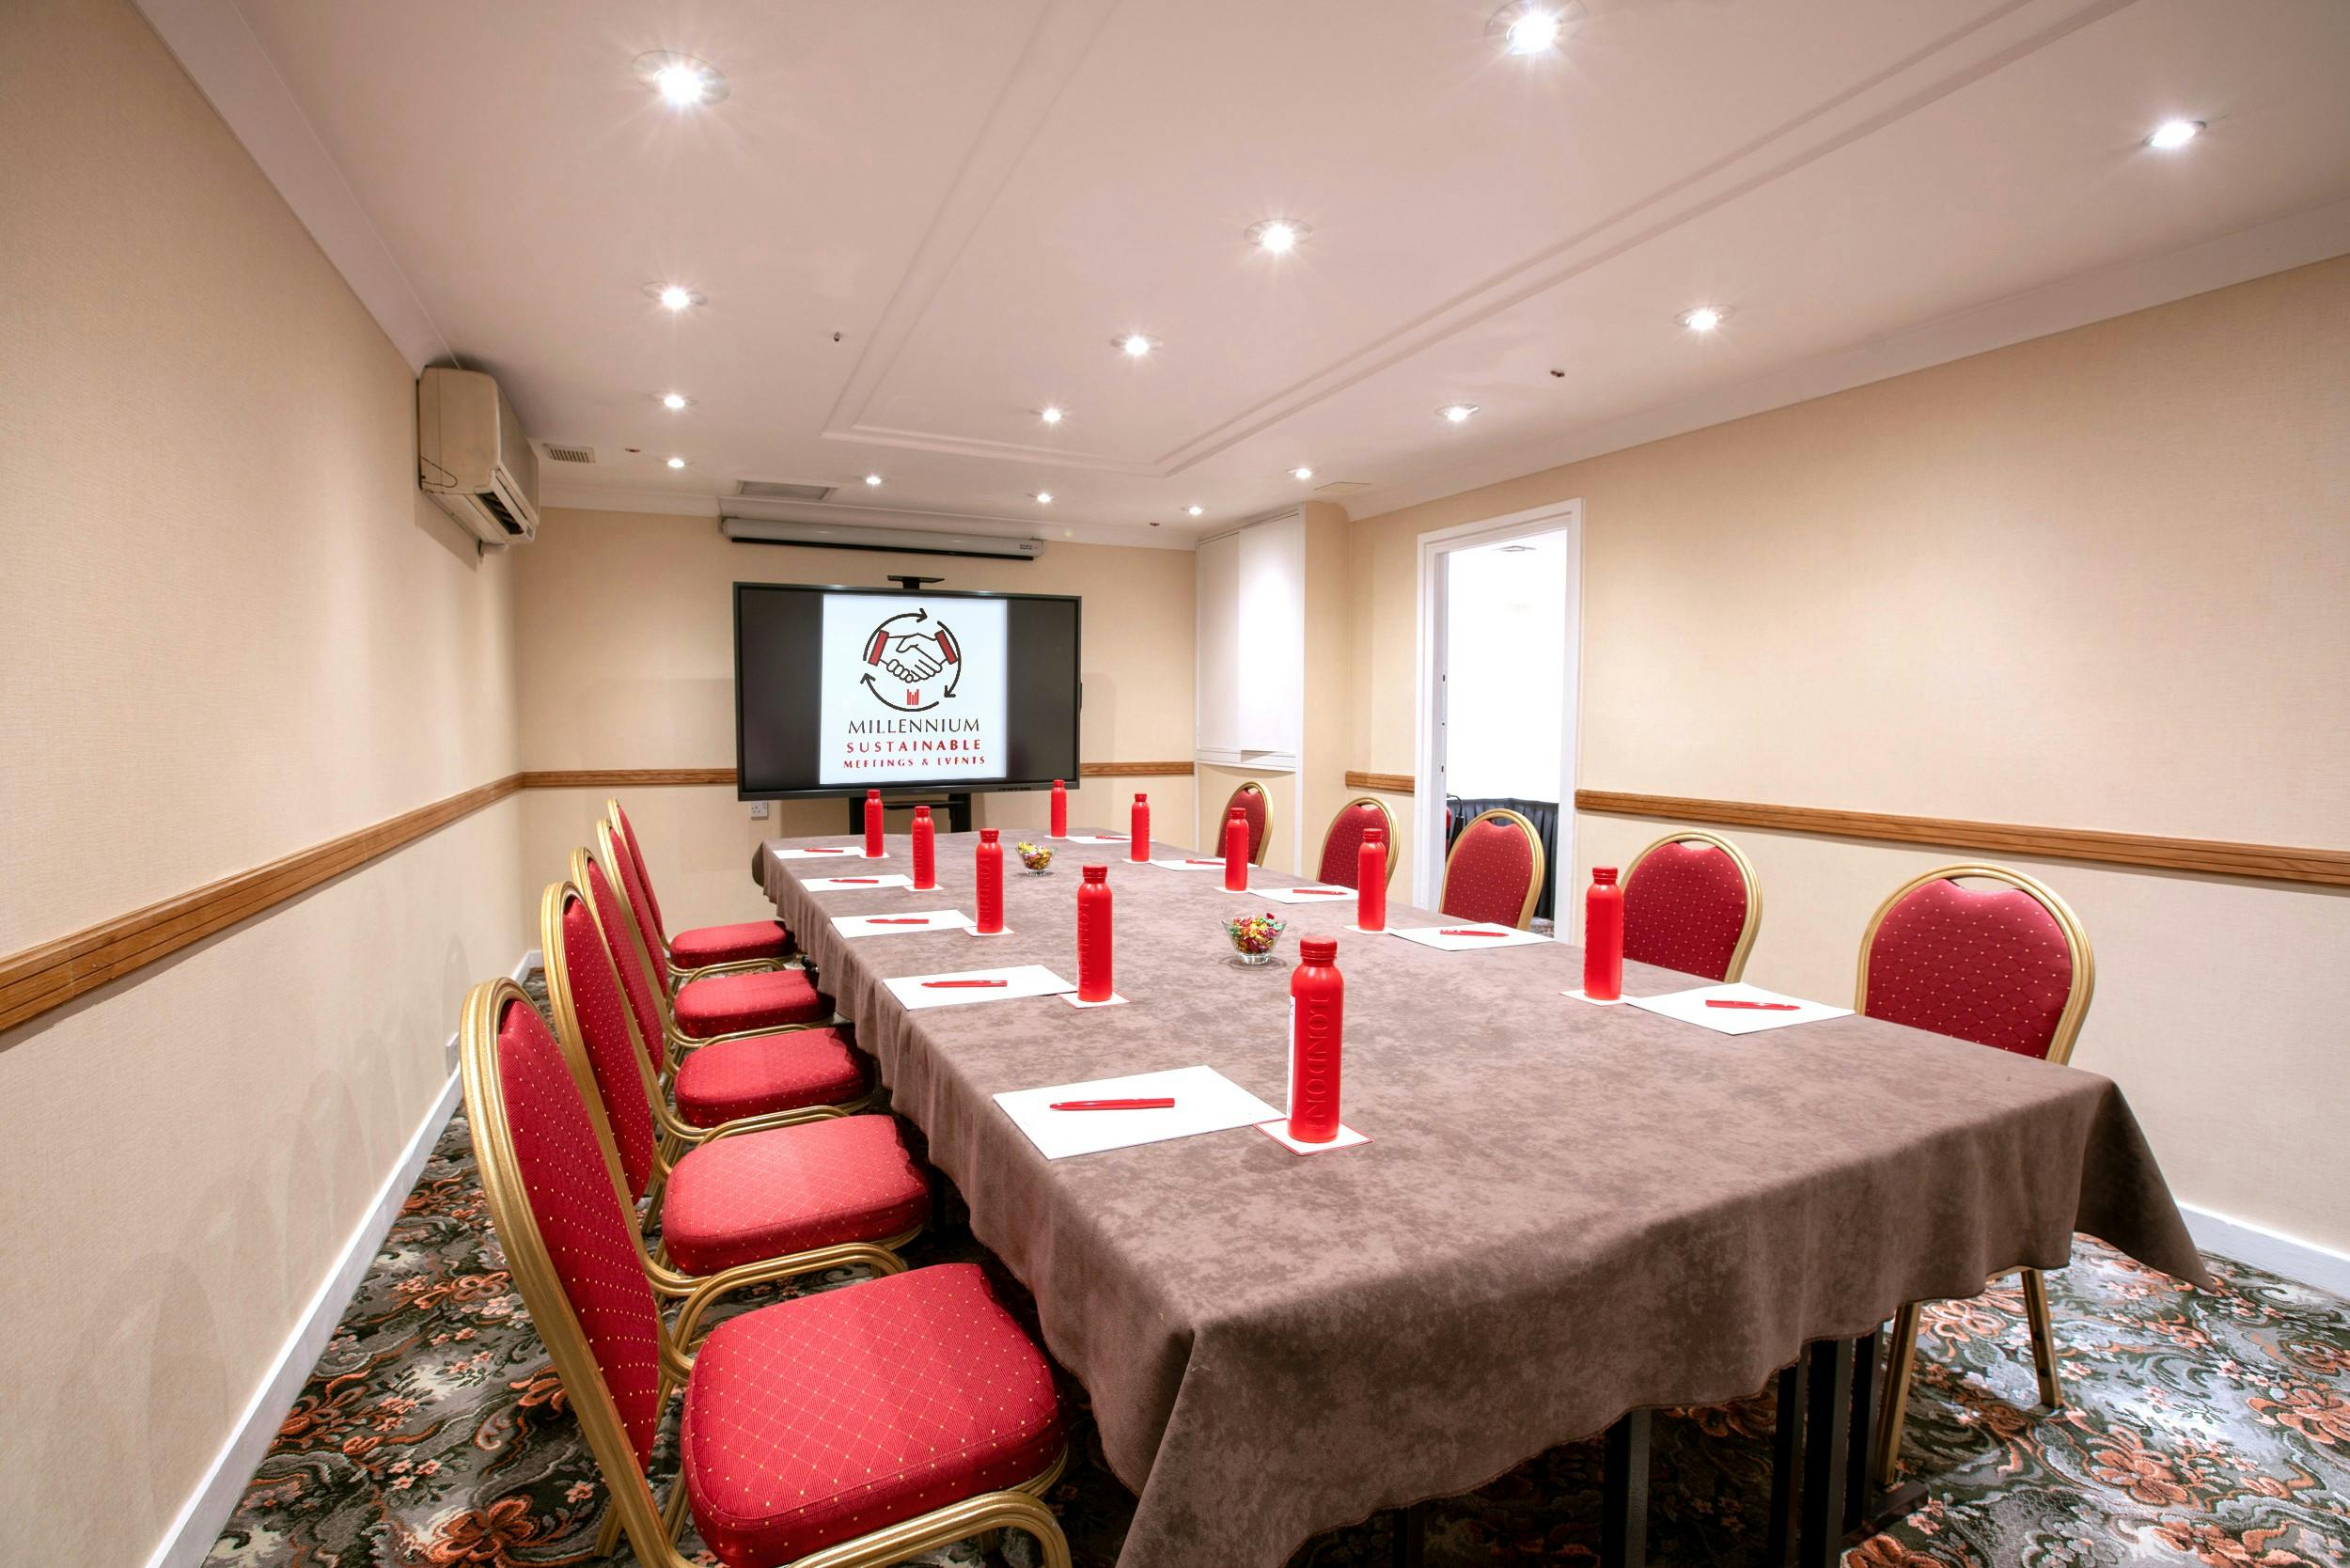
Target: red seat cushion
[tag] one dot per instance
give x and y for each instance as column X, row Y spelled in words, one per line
column 763, row 1195
column 734, row 1078
column 1490, row 874
column 707, row 945
column 1342, row 846
column 1684, row 907
column 1986, row 964
column 815, row 1420
column 728, row 1004
column 1252, row 807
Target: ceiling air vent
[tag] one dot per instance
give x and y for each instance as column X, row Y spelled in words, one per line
column 1343, row 487
column 775, row 490
column 559, row 452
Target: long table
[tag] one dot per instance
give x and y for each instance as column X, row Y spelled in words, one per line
column 1566, row 1212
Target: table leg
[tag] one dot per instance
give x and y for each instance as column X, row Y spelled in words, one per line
column 1820, row 1528
column 1864, row 1410
column 1867, row 1508
column 1411, row 1536
column 1786, row 1467
column 1623, row 1493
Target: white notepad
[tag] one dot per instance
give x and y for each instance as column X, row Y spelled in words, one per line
column 1020, row 979
column 1205, row 1101
column 1689, row 1006
column 1434, row 936
column 820, row 853
column 900, row 925
column 1302, row 895
column 1196, row 863
column 854, row 884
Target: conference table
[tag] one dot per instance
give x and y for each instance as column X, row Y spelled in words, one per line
column 1566, row 1214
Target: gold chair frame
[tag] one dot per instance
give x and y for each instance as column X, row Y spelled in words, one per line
column 1746, row 871
column 1534, row 841
column 1385, row 815
column 1249, row 787
column 1902, row 1363
column 652, row 1527
column 678, row 977
column 676, row 1041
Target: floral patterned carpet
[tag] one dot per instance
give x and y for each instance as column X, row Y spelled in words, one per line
column 2199, row 1429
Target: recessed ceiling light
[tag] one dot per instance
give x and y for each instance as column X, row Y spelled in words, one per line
column 1135, row 345
column 1277, row 235
column 674, row 401
column 1044, row 498
column 1301, row 473
column 873, row 478
column 1195, row 511
column 677, row 463
column 1456, row 414
column 682, row 81
column 1051, row 413
column 1705, row 318
column 2172, row 135
column 1534, row 26
column 675, row 296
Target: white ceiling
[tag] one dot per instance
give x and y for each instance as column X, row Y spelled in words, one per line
column 979, row 197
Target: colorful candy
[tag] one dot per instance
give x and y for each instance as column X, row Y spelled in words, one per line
column 1253, row 935
column 1035, row 856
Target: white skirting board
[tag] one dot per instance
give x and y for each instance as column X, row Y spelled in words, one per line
column 199, row 1521
column 2303, row 1262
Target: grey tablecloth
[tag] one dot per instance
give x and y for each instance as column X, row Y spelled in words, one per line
column 1565, row 1212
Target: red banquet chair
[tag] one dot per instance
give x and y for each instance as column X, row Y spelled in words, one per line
column 1495, row 870
column 868, row 1423
column 2007, row 967
column 704, row 951
column 715, row 1082
column 734, row 1003
column 1342, row 840
column 1251, row 798
column 1691, row 902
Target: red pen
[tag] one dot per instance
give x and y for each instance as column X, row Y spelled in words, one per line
column 945, row 985
column 1757, row 1007
column 1467, row 931
column 864, row 879
column 1162, row 1104
column 821, row 851
column 1324, row 892
column 897, row 920
column 1195, row 860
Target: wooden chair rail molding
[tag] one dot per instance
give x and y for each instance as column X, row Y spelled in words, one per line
column 53, row 974
column 1385, row 783
column 2328, row 868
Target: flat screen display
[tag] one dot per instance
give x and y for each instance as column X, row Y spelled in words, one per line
column 841, row 690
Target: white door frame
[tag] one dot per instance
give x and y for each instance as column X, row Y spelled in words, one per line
column 1428, row 788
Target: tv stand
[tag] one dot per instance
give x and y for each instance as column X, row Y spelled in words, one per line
column 956, row 802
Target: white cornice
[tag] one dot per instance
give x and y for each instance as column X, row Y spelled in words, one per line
column 215, row 46
column 2314, row 235
column 666, row 503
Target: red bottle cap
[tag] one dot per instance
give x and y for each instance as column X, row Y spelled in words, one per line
column 1140, row 798
column 1097, row 874
column 1241, row 811
column 1059, row 784
column 1318, row 949
column 922, row 815
column 872, row 794
column 1604, row 875
column 987, row 835
column 1375, row 835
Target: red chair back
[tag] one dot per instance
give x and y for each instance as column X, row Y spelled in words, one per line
column 584, row 993
column 1342, row 841
column 644, row 868
column 537, row 1136
column 1251, row 798
column 2006, row 965
column 1494, row 871
column 639, row 902
column 1691, row 904
column 620, row 938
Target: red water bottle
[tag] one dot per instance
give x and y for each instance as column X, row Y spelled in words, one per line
column 1370, row 879
column 925, row 851
column 1139, row 830
column 1236, row 852
column 1603, row 936
column 1060, row 810
column 991, row 883
column 1094, row 936
column 1317, row 1040
column 872, row 824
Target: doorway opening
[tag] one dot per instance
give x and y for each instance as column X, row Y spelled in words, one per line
column 1500, row 646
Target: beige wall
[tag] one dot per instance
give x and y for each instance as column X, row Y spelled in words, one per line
column 2096, row 580
column 626, row 623
column 231, row 629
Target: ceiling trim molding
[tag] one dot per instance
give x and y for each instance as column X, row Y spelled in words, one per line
column 216, row 47
column 2317, row 234
column 665, row 503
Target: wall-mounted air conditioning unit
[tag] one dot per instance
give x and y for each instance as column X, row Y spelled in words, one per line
column 473, row 458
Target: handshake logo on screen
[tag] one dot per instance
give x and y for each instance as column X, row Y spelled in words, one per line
column 912, row 661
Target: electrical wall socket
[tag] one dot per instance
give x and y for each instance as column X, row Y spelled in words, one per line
column 759, row 810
